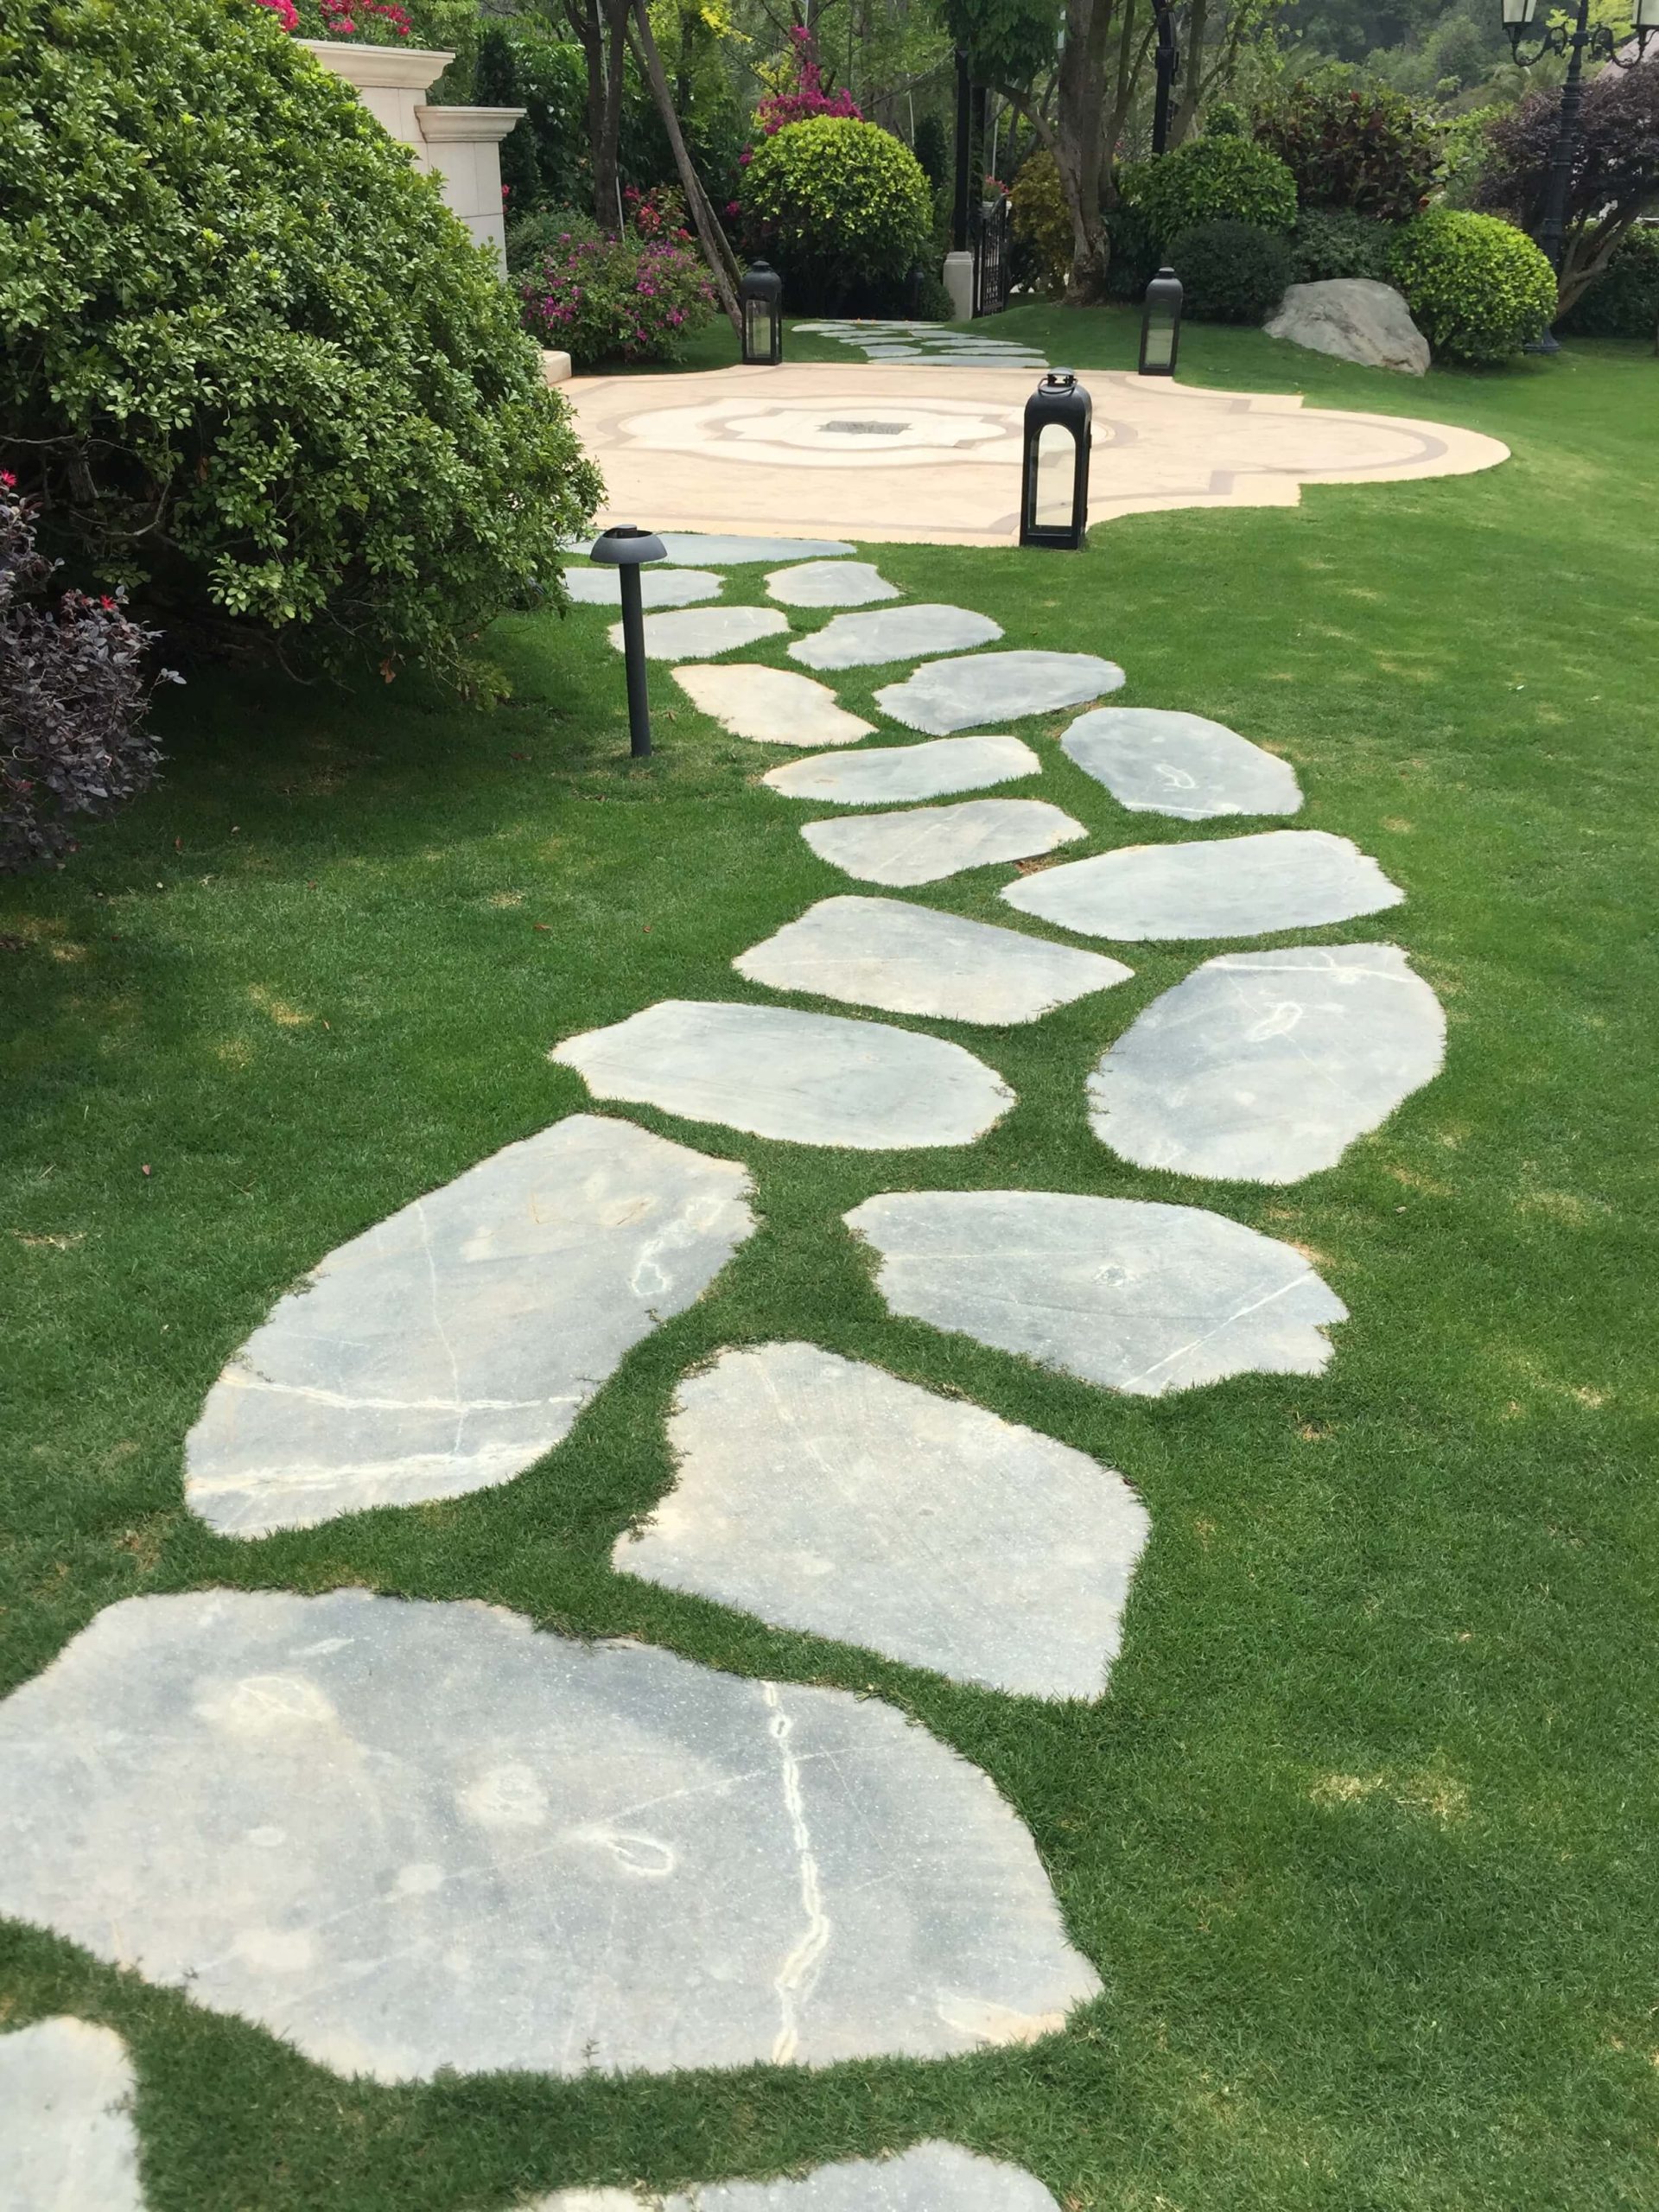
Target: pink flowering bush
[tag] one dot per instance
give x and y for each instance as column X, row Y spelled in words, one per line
column 809, row 98
column 638, row 297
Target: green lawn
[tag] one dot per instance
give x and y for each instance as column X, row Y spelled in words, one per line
column 1362, row 1840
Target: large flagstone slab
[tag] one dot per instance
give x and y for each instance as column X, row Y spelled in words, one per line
column 951, row 695
column 696, row 630
column 932, row 2177
column 1265, row 1066
column 449, row 1347
column 718, row 550
column 67, row 2142
column 893, row 634
column 771, row 705
column 829, row 583
column 825, row 1494
column 1226, row 886
column 1125, row 1292
column 886, row 775
column 806, row 1078
column 657, row 587
column 1153, row 761
column 406, row 1835
column 930, row 842
column 909, row 959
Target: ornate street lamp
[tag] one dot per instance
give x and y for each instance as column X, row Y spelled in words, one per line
column 1160, row 325
column 761, row 299
column 1520, row 21
column 1054, row 500
column 623, row 547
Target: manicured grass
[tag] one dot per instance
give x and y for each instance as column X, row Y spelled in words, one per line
column 1363, row 1838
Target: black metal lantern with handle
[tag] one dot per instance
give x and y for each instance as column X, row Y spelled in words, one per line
column 624, row 547
column 1054, row 502
column 760, row 300
column 1160, row 325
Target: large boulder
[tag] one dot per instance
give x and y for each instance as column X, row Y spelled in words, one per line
column 1356, row 319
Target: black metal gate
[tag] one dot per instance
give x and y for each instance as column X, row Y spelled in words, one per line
column 991, row 257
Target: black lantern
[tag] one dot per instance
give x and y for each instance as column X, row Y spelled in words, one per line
column 1160, row 325
column 760, row 296
column 1054, row 507
column 624, row 548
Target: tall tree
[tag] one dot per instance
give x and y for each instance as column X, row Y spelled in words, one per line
column 601, row 28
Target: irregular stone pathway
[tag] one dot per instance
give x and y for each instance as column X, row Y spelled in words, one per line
column 405, row 1835
column 704, row 630
column 932, row 842
column 657, row 587
column 929, row 341
column 771, row 705
column 829, row 583
column 933, row 2177
column 805, row 1078
column 951, row 695
column 1156, row 762
column 1134, row 1296
column 453, row 1344
column 884, row 775
column 1227, row 886
column 907, row 959
column 892, row 633
column 1265, row 1066
column 67, row 2142
column 825, row 1494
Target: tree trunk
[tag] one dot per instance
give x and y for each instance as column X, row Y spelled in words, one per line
column 1080, row 142
column 1186, row 108
column 716, row 251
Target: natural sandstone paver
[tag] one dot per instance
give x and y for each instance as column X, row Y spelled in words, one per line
column 66, row 2138
column 1156, row 761
column 771, row 705
column 1224, row 887
column 929, row 842
column 931, row 2177
column 697, row 630
column 887, row 775
column 946, row 696
column 829, row 583
column 657, row 587
column 893, row 634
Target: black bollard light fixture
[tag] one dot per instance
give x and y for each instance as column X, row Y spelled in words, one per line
column 1054, row 504
column 625, row 548
column 1160, row 325
column 760, row 303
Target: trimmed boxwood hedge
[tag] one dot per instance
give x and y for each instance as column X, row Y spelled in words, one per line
column 1478, row 288
column 842, row 208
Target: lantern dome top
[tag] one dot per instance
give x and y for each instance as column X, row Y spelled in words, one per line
column 625, row 545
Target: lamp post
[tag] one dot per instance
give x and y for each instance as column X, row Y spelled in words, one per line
column 1166, row 62
column 1160, row 325
column 1520, row 21
column 624, row 547
column 760, row 300
column 1054, row 492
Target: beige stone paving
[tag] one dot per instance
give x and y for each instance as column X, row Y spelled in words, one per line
column 932, row 455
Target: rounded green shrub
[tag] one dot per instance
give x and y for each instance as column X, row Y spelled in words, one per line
column 1231, row 272
column 1328, row 243
column 839, row 207
column 1478, row 288
column 1212, row 180
column 249, row 362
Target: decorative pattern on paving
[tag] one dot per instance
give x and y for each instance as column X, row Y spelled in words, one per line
column 1133, row 1295
column 450, row 1346
column 66, row 2138
column 807, row 1078
column 829, row 583
column 887, row 774
column 704, row 630
column 893, row 634
column 1265, row 1066
column 1156, row 762
column 771, row 705
column 930, row 452
column 933, row 842
column 1227, row 886
column 405, row 1836
column 906, row 959
column 933, row 2177
column 946, row 696
column 598, row 587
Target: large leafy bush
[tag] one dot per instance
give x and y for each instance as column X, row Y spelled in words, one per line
column 1328, row 243
column 1478, row 288
column 1041, row 219
column 1231, row 272
column 255, row 367
column 1212, row 180
column 839, row 208
column 1367, row 150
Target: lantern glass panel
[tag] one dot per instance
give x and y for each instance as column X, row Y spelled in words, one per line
column 1518, row 12
column 756, row 329
column 1647, row 15
column 1158, row 343
column 1053, row 480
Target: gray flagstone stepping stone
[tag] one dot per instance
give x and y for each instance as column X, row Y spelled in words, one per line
column 906, row 959
column 717, row 550
column 1156, row 761
column 1124, row 1293
column 825, row 1495
column 886, row 774
column 67, row 2142
column 771, row 705
column 405, row 1835
column 1227, row 886
column 931, row 841
column 1265, row 1066
column 829, row 583
column 953, row 695
column 892, row 633
column 806, row 1078
column 704, row 630
column 932, row 2177
column 449, row 1347
column 657, row 587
